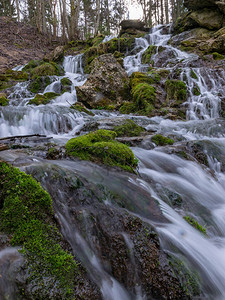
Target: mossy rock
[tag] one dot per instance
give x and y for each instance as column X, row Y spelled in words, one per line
column 137, row 77
column 196, row 90
column 26, row 214
column 176, row 90
column 127, row 107
column 147, row 55
column 66, row 81
column 38, row 84
column 81, row 108
column 31, row 65
column 194, row 75
column 17, row 75
column 47, row 69
column 144, row 96
column 161, row 140
column 100, row 146
column 128, row 128
column 217, row 56
column 43, row 99
column 66, row 84
column 4, row 101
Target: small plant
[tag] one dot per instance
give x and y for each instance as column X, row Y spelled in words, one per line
column 195, row 224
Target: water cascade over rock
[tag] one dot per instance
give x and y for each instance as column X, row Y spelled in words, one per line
column 156, row 234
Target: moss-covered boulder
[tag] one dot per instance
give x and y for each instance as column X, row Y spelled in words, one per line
column 115, row 46
column 81, row 108
column 100, row 146
column 37, row 68
column 128, row 128
column 161, row 140
column 144, row 96
column 66, row 84
column 176, row 90
column 38, row 84
column 43, row 99
column 3, row 100
column 26, row 214
column 151, row 77
column 108, row 84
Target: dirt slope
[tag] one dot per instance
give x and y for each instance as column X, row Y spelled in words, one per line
column 19, row 43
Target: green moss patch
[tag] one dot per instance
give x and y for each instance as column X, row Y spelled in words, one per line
column 4, row 101
column 26, row 214
column 176, row 90
column 138, row 77
column 161, row 140
column 144, row 96
column 81, row 108
column 195, row 224
column 43, row 99
column 193, row 75
column 147, row 55
column 217, row 56
column 38, row 84
column 100, row 146
column 128, row 128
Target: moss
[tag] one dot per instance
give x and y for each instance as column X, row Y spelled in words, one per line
column 143, row 94
column 4, row 101
column 98, row 40
column 146, row 56
column 43, row 99
column 39, row 84
column 176, row 89
column 217, row 56
column 195, row 224
column 17, row 75
column 66, row 81
column 138, row 77
column 31, row 65
column 47, row 69
column 100, row 146
column 189, row 279
column 196, row 90
column 193, row 75
column 26, row 214
column 81, row 108
column 128, row 128
column 127, row 108
column 161, row 140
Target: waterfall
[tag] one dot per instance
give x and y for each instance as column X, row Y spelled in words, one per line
column 55, row 118
column 205, row 91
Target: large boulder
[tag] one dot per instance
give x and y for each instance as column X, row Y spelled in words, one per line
column 135, row 24
column 208, row 18
column 56, row 55
column 199, row 4
column 108, row 84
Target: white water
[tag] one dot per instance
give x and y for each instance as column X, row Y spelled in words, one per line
column 198, row 187
column 211, row 82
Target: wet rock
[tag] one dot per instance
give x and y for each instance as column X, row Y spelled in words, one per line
column 108, row 84
column 127, row 247
column 207, row 18
column 56, row 55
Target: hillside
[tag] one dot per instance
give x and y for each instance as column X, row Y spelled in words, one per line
column 20, row 43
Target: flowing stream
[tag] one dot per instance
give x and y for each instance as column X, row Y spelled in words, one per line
column 202, row 189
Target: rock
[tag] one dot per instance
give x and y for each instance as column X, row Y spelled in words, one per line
column 56, row 55
column 199, row 4
column 208, row 18
column 108, row 84
column 134, row 24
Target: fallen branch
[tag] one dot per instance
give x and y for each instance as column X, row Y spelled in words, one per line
column 21, row 136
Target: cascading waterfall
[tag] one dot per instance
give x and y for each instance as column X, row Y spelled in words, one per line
column 201, row 189
column 205, row 91
column 52, row 119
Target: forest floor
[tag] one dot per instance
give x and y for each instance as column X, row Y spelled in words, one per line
column 20, row 43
